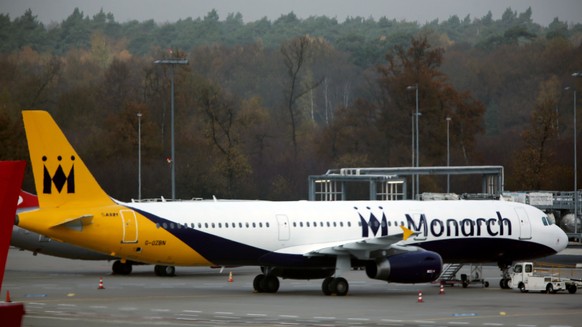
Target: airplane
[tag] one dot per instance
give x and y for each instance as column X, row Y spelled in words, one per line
column 396, row 241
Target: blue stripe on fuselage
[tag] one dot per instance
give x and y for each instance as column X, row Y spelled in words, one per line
column 218, row 250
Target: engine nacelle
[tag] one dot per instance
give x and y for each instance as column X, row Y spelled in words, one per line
column 411, row 267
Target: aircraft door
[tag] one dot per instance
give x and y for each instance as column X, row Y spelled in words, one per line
column 129, row 223
column 284, row 230
column 524, row 224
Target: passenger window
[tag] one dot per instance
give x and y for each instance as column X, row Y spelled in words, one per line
column 219, row 225
column 267, row 224
column 212, row 225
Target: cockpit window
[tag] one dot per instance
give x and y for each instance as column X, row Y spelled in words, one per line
column 546, row 221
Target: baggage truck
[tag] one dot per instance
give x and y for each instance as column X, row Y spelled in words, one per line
column 525, row 278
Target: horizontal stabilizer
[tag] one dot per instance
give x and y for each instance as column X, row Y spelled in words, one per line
column 75, row 223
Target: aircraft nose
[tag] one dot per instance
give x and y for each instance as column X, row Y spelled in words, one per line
column 561, row 240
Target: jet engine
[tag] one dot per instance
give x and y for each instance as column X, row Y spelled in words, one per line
column 410, row 267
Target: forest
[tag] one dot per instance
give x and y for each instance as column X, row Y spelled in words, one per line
column 261, row 105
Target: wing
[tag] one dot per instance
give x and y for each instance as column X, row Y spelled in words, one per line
column 365, row 248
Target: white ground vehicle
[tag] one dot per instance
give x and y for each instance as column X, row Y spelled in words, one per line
column 524, row 278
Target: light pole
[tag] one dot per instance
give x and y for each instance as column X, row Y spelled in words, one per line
column 448, row 156
column 172, row 62
column 412, row 152
column 416, row 114
column 576, row 74
column 139, row 155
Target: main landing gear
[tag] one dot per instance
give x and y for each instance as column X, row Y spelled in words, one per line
column 164, row 271
column 125, row 268
column 338, row 286
column 266, row 283
column 270, row 284
column 121, row 268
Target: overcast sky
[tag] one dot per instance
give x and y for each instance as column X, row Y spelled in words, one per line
column 421, row 11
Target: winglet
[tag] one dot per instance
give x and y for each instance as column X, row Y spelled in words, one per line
column 406, row 233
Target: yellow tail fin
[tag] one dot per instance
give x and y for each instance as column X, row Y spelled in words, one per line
column 60, row 176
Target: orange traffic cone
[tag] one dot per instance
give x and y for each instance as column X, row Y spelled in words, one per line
column 8, row 299
column 230, row 279
column 442, row 291
column 420, row 300
column 101, row 287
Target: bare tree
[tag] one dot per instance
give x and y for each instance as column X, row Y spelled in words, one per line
column 295, row 55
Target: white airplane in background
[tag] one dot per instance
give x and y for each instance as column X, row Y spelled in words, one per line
column 396, row 241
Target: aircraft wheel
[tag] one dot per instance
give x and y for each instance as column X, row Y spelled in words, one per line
column 325, row 285
column 120, row 268
column 170, row 271
column 257, row 283
column 339, row 286
column 269, row 284
column 165, row 270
